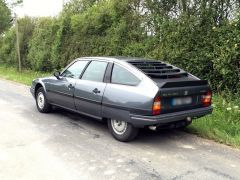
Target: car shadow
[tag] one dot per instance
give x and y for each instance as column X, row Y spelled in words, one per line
column 145, row 135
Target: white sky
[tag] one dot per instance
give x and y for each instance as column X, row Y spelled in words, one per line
column 40, row 7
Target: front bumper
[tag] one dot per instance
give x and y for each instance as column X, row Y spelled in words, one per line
column 141, row 121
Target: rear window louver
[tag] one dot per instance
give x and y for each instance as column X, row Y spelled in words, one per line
column 156, row 69
column 185, row 83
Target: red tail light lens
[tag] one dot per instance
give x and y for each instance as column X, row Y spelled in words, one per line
column 156, row 109
column 207, row 99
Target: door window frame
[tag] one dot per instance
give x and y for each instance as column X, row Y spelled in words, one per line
column 66, row 68
column 104, row 76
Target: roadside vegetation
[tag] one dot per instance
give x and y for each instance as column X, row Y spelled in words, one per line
column 24, row 77
column 223, row 125
column 202, row 37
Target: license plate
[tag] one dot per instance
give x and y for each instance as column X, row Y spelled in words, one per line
column 181, row 101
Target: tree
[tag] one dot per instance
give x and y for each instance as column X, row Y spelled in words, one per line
column 77, row 6
column 5, row 16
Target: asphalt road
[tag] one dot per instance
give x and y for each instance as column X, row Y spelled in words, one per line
column 62, row 145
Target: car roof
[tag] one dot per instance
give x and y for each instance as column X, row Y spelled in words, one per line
column 117, row 58
column 154, row 69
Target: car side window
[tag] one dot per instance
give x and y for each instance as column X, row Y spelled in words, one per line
column 95, row 71
column 75, row 70
column 122, row 76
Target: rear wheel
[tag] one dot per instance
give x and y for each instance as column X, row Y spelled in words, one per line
column 122, row 130
column 41, row 101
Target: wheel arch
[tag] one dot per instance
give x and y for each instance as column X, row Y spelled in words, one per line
column 37, row 86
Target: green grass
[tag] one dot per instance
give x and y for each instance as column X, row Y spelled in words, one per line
column 222, row 126
column 24, row 77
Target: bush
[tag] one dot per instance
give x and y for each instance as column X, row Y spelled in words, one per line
column 40, row 45
column 8, row 48
column 204, row 41
column 8, row 53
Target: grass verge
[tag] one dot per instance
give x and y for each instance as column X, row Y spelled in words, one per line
column 222, row 126
column 24, row 77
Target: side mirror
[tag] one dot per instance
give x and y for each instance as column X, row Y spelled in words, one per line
column 57, row 74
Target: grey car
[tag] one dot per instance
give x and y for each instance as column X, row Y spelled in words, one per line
column 130, row 93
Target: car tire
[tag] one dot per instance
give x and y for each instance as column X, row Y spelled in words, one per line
column 122, row 130
column 41, row 101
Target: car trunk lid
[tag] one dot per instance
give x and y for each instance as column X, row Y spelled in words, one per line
column 182, row 95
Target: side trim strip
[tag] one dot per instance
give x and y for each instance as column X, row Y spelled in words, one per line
column 60, row 93
column 145, row 111
column 88, row 100
column 125, row 108
column 77, row 111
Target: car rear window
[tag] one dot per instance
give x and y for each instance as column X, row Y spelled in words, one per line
column 159, row 70
column 122, row 76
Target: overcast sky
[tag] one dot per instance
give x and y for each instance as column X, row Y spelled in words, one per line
column 40, row 7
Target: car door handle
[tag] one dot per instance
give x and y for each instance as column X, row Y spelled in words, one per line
column 70, row 86
column 96, row 91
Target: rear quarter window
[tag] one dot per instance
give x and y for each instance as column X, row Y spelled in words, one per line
column 122, row 76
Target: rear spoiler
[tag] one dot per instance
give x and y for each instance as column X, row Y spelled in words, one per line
column 185, row 83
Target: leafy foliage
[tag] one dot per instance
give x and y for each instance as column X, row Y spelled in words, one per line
column 40, row 45
column 5, row 16
column 200, row 36
column 8, row 48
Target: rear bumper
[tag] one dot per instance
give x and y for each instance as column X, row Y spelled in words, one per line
column 141, row 121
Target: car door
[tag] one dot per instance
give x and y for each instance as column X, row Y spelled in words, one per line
column 90, row 88
column 61, row 90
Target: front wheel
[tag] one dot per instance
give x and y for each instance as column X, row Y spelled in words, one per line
column 122, row 130
column 41, row 101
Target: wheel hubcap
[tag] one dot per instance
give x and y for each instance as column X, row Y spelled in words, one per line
column 40, row 100
column 119, row 127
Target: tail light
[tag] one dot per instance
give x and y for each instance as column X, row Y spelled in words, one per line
column 156, row 109
column 207, row 99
